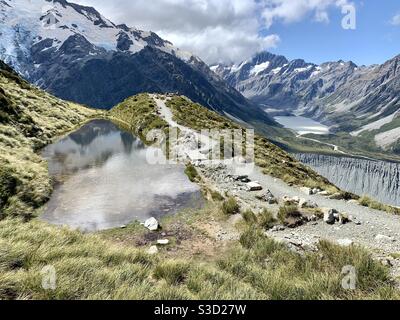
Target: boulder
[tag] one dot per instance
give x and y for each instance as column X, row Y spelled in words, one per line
column 267, row 197
column 323, row 193
column 151, row 224
column 344, row 218
column 329, row 215
column 254, row 186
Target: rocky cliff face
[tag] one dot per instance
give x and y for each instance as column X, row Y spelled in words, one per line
column 77, row 54
column 378, row 179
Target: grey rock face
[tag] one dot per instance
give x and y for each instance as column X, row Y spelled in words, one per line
column 378, row 179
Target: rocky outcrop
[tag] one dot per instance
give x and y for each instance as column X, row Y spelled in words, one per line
column 378, row 179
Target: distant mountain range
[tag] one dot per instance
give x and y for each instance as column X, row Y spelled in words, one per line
column 360, row 100
column 77, row 54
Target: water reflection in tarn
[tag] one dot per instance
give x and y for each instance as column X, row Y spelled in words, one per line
column 103, row 180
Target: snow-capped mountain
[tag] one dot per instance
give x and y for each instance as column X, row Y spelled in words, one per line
column 77, row 54
column 46, row 25
column 347, row 97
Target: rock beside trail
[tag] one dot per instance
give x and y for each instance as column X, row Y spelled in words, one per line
column 151, row 224
column 267, row 197
column 344, row 218
column 254, row 186
column 329, row 215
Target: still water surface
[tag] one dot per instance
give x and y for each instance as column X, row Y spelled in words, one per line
column 103, row 180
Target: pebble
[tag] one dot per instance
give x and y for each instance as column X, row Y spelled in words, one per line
column 152, row 250
column 163, row 242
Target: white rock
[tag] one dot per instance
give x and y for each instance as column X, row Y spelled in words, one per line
column 254, row 186
column 151, row 224
column 344, row 242
column 152, row 250
column 323, row 193
column 316, row 190
column 163, row 242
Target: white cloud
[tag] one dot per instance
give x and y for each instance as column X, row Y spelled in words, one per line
column 290, row 11
column 395, row 20
column 215, row 30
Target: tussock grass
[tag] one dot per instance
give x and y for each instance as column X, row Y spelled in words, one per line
column 139, row 114
column 92, row 267
column 216, row 196
column 174, row 273
column 266, row 219
column 249, row 217
column 191, row 172
column 370, row 203
column 286, row 212
column 280, row 273
column 230, row 207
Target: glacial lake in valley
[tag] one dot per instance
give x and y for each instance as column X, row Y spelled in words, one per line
column 103, row 180
column 302, row 125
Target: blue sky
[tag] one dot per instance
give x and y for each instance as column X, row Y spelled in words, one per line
column 374, row 40
column 228, row 31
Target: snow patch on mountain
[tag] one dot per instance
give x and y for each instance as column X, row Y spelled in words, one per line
column 260, row 68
